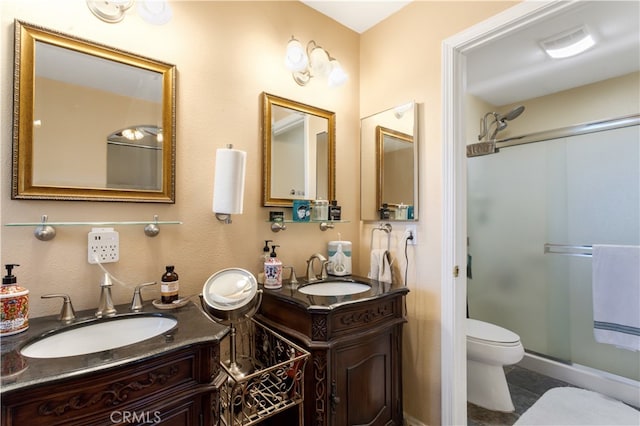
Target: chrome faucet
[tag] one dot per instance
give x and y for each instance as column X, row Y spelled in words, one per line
column 105, row 306
column 67, row 313
column 293, row 279
column 311, row 275
column 137, row 302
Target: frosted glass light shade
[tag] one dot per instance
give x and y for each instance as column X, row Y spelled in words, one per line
column 157, row 12
column 319, row 62
column 337, row 76
column 295, row 58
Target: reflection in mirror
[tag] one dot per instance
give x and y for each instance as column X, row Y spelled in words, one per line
column 77, row 134
column 394, row 180
column 299, row 146
column 134, row 158
column 388, row 171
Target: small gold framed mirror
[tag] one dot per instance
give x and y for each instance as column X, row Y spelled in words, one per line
column 394, row 170
column 389, row 172
column 298, row 152
column 91, row 122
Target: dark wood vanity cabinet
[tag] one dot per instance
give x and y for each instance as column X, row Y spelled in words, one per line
column 177, row 388
column 354, row 375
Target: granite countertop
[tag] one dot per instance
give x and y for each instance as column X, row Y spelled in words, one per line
column 322, row 303
column 19, row 372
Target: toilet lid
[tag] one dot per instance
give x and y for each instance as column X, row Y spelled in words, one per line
column 481, row 330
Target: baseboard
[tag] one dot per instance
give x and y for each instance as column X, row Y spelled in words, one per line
column 620, row 388
column 410, row 421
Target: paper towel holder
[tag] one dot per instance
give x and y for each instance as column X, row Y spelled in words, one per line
column 225, row 217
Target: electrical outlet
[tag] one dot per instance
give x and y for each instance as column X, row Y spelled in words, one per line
column 104, row 244
column 413, row 229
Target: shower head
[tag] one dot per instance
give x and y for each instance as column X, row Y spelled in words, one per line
column 499, row 121
column 514, row 113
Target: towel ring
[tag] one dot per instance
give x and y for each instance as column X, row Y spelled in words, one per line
column 386, row 228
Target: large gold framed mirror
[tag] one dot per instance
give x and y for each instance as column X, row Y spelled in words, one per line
column 298, row 152
column 389, row 172
column 91, row 122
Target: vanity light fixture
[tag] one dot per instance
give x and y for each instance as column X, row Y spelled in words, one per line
column 568, row 43
column 155, row 12
column 400, row 110
column 313, row 61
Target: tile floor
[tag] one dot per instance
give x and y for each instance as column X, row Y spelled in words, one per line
column 526, row 387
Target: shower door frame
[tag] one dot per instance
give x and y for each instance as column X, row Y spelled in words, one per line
column 454, row 189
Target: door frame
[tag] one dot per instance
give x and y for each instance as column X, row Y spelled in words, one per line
column 453, row 297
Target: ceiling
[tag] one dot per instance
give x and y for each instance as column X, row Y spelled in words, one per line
column 357, row 15
column 515, row 68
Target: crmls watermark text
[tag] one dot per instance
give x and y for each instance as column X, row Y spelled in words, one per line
column 144, row 417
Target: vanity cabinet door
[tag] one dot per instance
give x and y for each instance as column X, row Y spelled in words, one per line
column 363, row 388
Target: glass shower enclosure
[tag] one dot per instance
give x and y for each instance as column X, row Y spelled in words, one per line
column 578, row 190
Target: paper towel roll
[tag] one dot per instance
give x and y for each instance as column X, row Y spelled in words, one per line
column 228, row 186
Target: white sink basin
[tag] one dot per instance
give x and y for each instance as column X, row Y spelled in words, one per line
column 334, row 288
column 98, row 336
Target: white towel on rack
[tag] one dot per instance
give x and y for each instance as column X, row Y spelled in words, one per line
column 616, row 295
column 380, row 268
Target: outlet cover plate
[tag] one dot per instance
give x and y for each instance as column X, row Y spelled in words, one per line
column 103, row 243
column 414, row 231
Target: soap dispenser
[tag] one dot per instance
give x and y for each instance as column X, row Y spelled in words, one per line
column 273, row 270
column 15, row 304
column 264, row 257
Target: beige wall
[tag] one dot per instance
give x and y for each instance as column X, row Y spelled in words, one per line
column 81, row 131
column 611, row 98
column 401, row 61
column 227, row 54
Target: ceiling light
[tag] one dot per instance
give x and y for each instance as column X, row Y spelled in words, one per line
column 312, row 62
column 568, row 43
column 132, row 134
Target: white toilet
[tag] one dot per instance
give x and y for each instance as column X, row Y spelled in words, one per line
column 489, row 349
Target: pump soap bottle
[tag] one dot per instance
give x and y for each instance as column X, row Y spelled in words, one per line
column 264, row 257
column 273, row 270
column 15, row 304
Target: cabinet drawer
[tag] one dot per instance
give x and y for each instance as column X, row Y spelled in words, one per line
column 91, row 399
column 344, row 322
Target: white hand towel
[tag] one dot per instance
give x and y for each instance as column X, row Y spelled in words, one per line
column 375, row 263
column 616, row 295
column 380, row 268
column 385, row 275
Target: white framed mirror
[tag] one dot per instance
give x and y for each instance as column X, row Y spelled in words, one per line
column 91, row 122
column 389, row 164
